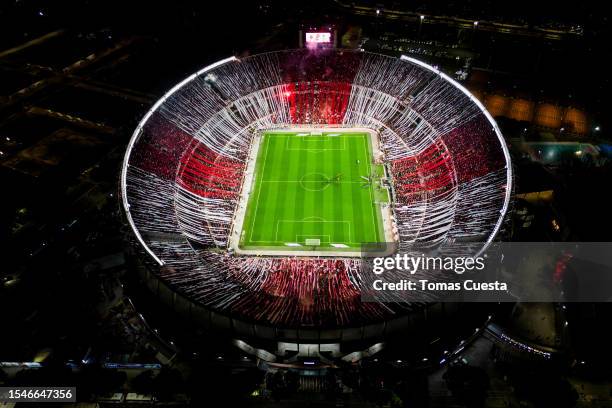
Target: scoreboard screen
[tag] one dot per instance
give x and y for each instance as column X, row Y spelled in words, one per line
column 318, row 38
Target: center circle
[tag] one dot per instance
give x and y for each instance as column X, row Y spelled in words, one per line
column 315, row 181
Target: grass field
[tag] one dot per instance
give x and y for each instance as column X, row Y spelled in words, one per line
column 314, row 187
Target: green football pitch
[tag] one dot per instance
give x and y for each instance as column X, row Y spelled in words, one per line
column 308, row 187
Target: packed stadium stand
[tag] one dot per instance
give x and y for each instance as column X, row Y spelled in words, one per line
column 185, row 165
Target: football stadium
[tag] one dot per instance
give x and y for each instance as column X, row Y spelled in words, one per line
column 252, row 185
column 293, row 204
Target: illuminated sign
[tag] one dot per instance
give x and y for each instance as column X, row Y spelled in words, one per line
column 318, row 37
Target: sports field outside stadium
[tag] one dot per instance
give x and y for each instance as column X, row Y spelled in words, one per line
column 314, row 191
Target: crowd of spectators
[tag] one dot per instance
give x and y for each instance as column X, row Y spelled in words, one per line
column 188, row 165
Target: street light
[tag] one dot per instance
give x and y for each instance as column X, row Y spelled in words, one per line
column 420, row 25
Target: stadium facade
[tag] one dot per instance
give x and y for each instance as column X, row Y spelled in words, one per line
column 184, row 173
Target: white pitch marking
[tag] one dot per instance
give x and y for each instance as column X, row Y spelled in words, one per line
column 259, row 191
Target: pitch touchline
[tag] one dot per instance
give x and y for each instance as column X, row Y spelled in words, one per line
column 371, row 188
column 369, row 167
column 310, row 181
column 279, row 244
column 259, row 187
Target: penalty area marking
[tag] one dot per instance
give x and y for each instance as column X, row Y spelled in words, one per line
column 310, row 138
column 310, row 240
column 278, row 222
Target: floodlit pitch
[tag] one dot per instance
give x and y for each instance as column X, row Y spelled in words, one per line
column 317, row 191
